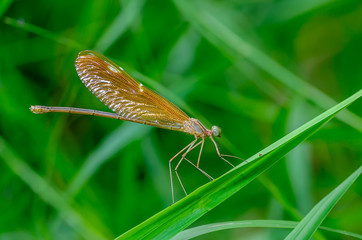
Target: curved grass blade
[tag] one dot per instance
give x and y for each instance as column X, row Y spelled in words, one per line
column 172, row 220
column 315, row 217
column 209, row 228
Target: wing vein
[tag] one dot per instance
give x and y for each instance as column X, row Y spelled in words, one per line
column 130, row 99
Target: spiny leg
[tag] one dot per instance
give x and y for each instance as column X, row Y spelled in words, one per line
column 169, row 166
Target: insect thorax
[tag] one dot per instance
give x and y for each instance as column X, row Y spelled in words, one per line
column 195, row 127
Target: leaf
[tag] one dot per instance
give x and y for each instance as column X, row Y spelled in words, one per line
column 209, row 228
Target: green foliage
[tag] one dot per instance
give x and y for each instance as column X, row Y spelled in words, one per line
column 257, row 69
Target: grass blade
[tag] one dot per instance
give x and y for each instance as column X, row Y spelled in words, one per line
column 287, row 10
column 172, row 220
column 43, row 32
column 209, row 228
column 120, row 24
column 47, row 192
column 314, row 218
column 4, row 5
column 111, row 144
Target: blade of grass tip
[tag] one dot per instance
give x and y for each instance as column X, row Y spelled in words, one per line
column 121, row 23
column 223, row 37
column 172, row 220
column 109, row 146
column 209, row 228
column 4, row 5
column 20, row 23
column 47, row 192
column 315, row 217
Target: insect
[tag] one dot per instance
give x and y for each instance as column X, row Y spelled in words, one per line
column 131, row 101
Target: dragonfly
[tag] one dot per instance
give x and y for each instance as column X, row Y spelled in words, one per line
column 131, row 101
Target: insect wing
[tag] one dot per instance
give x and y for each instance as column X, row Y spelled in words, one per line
column 126, row 96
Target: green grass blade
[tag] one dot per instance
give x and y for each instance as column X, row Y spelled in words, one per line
column 287, row 10
column 157, row 170
column 43, row 32
column 299, row 161
column 111, row 144
column 172, row 220
column 4, row 5
column 209, row 228
column 223, row 37
column 47, row 192
column 279, row 195
column 314, row 218
column 120, row 24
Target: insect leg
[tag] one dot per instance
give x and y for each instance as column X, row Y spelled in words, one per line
column 187, row 151
column 202, row 146
column 191, row 146
column 170, row 169
column 222, row 155
column 202, row 171
column 197, row 167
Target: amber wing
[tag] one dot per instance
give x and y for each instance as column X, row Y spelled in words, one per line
column 125, row 95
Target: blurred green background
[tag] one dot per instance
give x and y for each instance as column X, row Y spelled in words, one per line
column 257, row 69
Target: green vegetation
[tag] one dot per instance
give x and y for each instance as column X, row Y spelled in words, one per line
column 273, row 75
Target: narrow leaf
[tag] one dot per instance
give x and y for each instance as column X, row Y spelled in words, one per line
column 315, row 217
column 209, row 228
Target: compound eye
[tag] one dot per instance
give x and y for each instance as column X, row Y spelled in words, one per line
column 216, row 131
